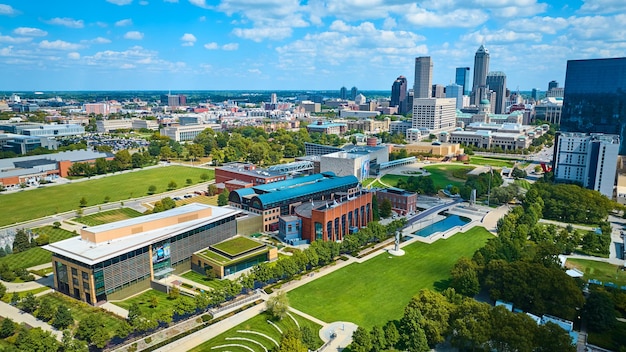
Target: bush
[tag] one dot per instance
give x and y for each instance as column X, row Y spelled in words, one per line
column 148, row 339
column 207, row 317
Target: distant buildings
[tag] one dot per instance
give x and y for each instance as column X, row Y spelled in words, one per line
column 462, row 78
column 106, row 126
column 438, row 91
column 549, row 109
column 481, row 68
column 423, row 82
column 399, row 94
column 327, row 127
column 248, row 173
column 353, row 93
column 343, row 93
column 594, row 99
column 181, row 133
column 455, row 91
column 587, row 159
column 174, row 100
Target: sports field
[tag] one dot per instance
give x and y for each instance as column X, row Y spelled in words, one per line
column 37, row 203
column 376, row 291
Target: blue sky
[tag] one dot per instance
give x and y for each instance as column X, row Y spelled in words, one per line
column 291, row 44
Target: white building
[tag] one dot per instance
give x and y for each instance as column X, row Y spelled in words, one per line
column 434, row 114
column 188, row 132
column 590, row 160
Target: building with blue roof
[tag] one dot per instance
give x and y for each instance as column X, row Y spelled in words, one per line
column 327, row 127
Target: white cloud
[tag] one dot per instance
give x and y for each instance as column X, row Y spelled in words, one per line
column 258, row 34
column 390, row 23
column 127, row 66
column 67, row 22
column 255, row 71
column 131, row 58
column 458, row 18
column 73, row 55
column 500, row 36
column 124, row 23
column 606, row 29
column 200, row 3
column 7, row 10
column 133, row 35
column 59, row 45
column 603, row 6
column 202, row 18
column 98, row 40
column 14, row 40
column 171, row 1
column 120, row 2
column 230, row 46
column 30, row 32
column 101, row 24
column 188, row 39
column 548, row 25
column 211, row 46
column 143, row 3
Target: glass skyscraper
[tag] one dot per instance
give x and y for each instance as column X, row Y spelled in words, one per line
column 595, row 97
column 463, row 79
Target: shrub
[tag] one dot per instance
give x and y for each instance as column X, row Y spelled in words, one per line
column 207, row 317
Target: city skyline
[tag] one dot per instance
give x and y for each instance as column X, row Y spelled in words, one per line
column 284, row 45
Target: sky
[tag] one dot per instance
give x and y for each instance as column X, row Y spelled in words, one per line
column 292, row 44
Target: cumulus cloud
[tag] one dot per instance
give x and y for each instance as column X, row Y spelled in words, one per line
column 124, row 23
column 255, row 71
column 259, row 34
column 230, row 46
column 67, row 22
column 131, row 58
column 7, row 10
column 73, row 55
column 200, row 3
column 548, row 25
column 58, row 45
column 603, row 6
column 133, row 35
column 120, row 2
column 30, row 32
column 458, row 18
column 14, row 40
column 500, row 36
column 143, row 3
column 98, row 40
column 188, row 39
column 211, row 46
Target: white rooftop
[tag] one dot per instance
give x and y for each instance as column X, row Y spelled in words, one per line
column 91, row 253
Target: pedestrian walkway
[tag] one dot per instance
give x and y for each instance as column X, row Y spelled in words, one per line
column 18, row 316
column 117, row 310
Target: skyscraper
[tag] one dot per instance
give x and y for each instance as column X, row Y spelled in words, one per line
column 399, row 94
column 595, row 97
column 553, row 84
column 353, row 93
column 343, row 93
column 455, row 91
column 423, row 77
column 481, row 68
column 535, row 94
column 496, row 81
column 462, row 79
column 438, row 91
column 434, row 114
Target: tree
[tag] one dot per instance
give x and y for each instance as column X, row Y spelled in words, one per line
column 308, row 338
column 174, row 293
column 15, row 298
column 470, row 324
column 361, row 341
column 70, row 344
column 212, row 190
column 83, row 202
column 45, row 312
column 413, row 337
column 36, row 340
column 171, row 185
column 385, row 208
column 63, row 318
column 392, row 336
column 278, row 305
column 7, row 328
column 435, row 310
column 222, row 199
column 377, row 337
column 124, row 159
column 291, row 341
column 204, row 177
column 133, row 313
column 188, row 181
column 465, row 277
column 151, row 189
column 154, row 302
column 42, row 239
column 93, row 330
column 3, row 290
column 21, row 242
column 30, row 303
column 599, row 311
column 56, row 224
column 552, row 337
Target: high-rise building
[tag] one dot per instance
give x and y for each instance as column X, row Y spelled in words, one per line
column 434, row 114
column 553, row 84
column 399, row 94
column 590, row 160
column 594, row 99
column 273, row 98
column 423, row 77
column 481, row 68
column 463, row 79
column 343, row 93
column 496, row 81
column 455, row 91
column 409, row 101
column 353, row 93
column 535, row 94
column 439, row 91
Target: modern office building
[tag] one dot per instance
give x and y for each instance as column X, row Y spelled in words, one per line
column 434, row 114
column 481, row 68
column 181, row 133
column 319, row 149
column 422, row 86
column 438, row 91
column 343, row 93
column 594, row 99
column 354, row 91
column 399, row 94
column 587, row 159
column 549, row 109
column 116, row 260
column 496, row 81
column 462, row 78
column 399, row 127
column 327, row 127
column 455, row 91
column 552, row 84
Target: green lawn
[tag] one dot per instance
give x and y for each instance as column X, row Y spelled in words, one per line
column 523, row 184
column 105, row 217
column 392, row 180
column 443, row 175
column 376, row 291
column 36, row 255
column 496, row 162
column 602, row 271
column 237, row 245
column 143, row 300
column 7, row 296
column 37, row 203
column 259, row 324
column 203, row 280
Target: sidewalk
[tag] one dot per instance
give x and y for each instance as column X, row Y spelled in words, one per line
column 8, row 311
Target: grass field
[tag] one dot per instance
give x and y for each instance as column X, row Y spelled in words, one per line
column 604, row 272
column 376, row 291
column 523, row 184
column 258, row 324
column 203, row 280
column 105, row 217
column 36, row 255
column 443, row 175
column 37, row 203
column 481, row 160
column 143, row 301
column 7, row 296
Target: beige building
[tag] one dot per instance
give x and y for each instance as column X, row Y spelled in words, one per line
column 434, row 114
column 436, row 148
column 369, row 125
column 181, row 133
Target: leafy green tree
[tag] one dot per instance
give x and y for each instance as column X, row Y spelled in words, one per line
column 361, row 340
column 470, row 324
column 551, row 337
column 171, row 185
column 21, row 242
column 377, row 338
column 15, row 298
column 7, row 328
column 45, row 312
column 309, row 339
column 212, row 190
column 222, row 199
column 385, row 208
column 278, row 305
column 184, row 306
column 189, row 181
column 174, row 293
column 83, row 202
column 3, row 290
column 412, row 335
column 63, row 318
column 70, row 344
column 392, row 336
column 599, row 311
column 36, row 340
column 154, row 302
column 511, row 331
column 204, row 177
column 152, row 189
column 133, row 313
column 30, row 303
column 291, row 341
column 435, row 310
column 465, row 277
column 124, row 159
column 93, row 330
column 101, row 166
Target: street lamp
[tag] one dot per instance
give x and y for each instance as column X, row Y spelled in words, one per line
column 489, row 190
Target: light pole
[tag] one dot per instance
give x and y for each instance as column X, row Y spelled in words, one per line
column 489, row 190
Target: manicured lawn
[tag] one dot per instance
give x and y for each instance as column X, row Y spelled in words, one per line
column 36, row 255
column 37, row 203
column 376, row 291
column 105, row 217
column 203, row 280
column 392, row 180
column 258, row 324
column 7, row 296
column 143, row 301
column 443, row 175
column 523, row 184
column 237, row 245
column 481, row 160
column 199, row 199
column 604, row 272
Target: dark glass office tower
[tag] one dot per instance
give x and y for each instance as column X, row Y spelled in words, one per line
column 399, row 94
column 496, row 81
column 595, row 97
column 463, row 79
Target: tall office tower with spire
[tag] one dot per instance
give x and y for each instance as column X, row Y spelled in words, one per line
column 496, row 81
column 422, row 86
column 399, row 94
column 481, row 68
column 463, row 79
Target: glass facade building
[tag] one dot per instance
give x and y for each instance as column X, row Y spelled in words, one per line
column 595, row 97
column 462, row 78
